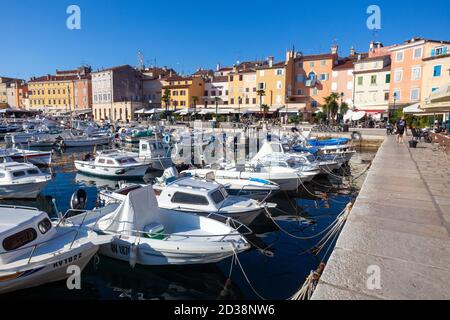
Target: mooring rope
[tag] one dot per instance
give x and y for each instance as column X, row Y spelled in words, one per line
column 341, row 217
column 245, row 275
column 308, row 287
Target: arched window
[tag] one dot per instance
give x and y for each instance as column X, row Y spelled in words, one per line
column 311, row 76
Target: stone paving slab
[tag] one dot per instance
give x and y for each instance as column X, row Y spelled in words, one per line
column 350, row 271
column 401, row 214
column 400, row 223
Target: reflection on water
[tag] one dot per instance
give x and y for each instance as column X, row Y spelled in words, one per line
column 105, row 278
column 276, row 267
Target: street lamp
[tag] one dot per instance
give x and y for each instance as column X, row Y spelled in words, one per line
column 239, row 107
column 395, row 99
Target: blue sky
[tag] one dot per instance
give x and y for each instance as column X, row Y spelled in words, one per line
column 189, row 34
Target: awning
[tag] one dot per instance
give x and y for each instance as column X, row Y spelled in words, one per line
column 207, row 111
column 184, row 112
column 354, row 115
column 140, row 111
column 438, row 101
column 155, row 110
column 412, row 109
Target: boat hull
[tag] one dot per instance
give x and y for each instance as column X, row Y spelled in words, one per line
column 112, row 172
column 55, row 269
column 28, row 190
column 85, row 143
column 159, row 164
column 177, row 255
column 41, row 159
column 256, row 194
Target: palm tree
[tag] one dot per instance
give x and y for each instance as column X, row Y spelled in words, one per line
column 331, row 106
column 194, row 101
column 216, row 101
column 166, row 99
column 265, row 109
column 261, row 93
column 343, row 108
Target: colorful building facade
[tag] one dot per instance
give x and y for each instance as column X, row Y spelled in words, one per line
column 372, row 85
column 185, row 92
column 65, row 91
column 117, row 93
column 436, row 68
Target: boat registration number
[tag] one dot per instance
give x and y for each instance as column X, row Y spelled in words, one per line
column 122, row 250
column 67, row 261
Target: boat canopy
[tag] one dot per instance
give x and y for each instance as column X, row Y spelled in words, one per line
column 138, row 210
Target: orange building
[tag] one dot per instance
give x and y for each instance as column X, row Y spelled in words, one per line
column 309, row 79
column 407, row 71
column 183, row 90
column 83, row 92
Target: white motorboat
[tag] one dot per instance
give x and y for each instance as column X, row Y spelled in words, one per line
column 39, row 158
column 84, row 141
column 204, row 197
column 151, row 152
column 274, row 149
column 18, row 138
column 149, row 235
column 113, row 165
column 253, row 188
column 35, row 251
column 21, row 180
column 197, row 196
column 287, row 179
column 344, row 151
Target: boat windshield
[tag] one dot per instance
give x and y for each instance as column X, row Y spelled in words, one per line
column 217, row 196
column 18, row 174
column 33, row 172
column 188, row 198
column 126, row 160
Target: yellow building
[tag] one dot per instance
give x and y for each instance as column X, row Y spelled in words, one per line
column 182, row 92
column 68, row 90
column 52, row 93
column 242, row 88
column 272, row 79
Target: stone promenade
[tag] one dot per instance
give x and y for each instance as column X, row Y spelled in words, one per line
column 398, row 230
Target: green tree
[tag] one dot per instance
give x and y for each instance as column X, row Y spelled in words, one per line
column 216, row 101
column 265, row 108
column 260, row 93
column 331, row 106
column 343, row 109
column 166, row 99
column 194, row 102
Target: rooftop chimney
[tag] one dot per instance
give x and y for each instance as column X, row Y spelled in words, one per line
column 270, row 59
column 218, row 67
column 290, row 55
column 334, row 49
column 352, row 51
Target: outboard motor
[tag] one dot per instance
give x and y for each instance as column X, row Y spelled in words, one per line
column 78, row 200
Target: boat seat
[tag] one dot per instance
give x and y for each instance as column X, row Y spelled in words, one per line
column 154, row 230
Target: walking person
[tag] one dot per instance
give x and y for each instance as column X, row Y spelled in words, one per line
column 401, row 130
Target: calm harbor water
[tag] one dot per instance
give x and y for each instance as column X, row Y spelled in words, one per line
column 275, row 272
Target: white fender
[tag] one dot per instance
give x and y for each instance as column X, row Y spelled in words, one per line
column 133, row 255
